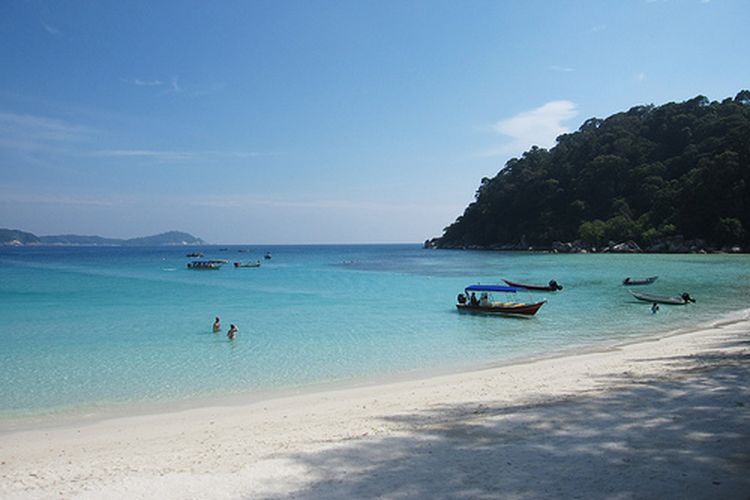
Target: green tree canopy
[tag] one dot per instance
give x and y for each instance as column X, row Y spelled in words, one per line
column 647, row 173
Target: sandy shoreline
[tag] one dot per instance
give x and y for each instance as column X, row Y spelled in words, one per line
column 661, row 417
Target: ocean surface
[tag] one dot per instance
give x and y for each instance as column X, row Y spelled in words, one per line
column 88, row 328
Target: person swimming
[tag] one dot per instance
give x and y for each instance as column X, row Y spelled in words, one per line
column 232, row 332
column 217, row 325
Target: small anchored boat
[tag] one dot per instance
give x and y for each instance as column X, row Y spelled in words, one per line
column 205, row 265
column 468, row 302
column 267, row 256
column 677, row 300
column 552, row 286
column 247, row 264
column 194, row 254
column 639, row 281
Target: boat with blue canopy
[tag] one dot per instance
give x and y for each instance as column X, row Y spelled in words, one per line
column 485, row 304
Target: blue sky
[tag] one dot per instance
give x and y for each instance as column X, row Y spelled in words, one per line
column 319, row 121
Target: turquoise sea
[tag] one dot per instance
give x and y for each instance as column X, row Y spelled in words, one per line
column 88, row 328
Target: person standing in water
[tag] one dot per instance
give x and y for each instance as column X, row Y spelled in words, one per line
column 217, row 325
column 654, row 308
column 232, row 332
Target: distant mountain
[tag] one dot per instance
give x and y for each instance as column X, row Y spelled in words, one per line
column 16, row 237
column 168, row 238
column 75, row 239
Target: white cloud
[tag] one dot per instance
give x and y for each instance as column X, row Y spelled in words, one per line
column 175, row 86
column 539, row 126
column 598, row 28
column 251, row 201
column 177, row 156
column 561, row 69
column 140, row 82
column 17, row 198
column 143, row 153
column 640, row 77
column 50, row 29
column 35, row 130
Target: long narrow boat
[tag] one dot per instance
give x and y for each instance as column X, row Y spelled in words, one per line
column 204, row 265
column 552, row 286
column 247, row 264
column 677, row 300
column 469, row 303
column 639, row 281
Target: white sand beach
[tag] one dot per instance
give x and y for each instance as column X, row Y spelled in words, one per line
column 660, row 418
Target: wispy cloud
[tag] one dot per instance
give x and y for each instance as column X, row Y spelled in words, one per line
column 191, row 90
column 139, row 82
column 143, row 153
column 175, row 85
column 64, row 200
column 598, row 28
column 177, row 156
column 640, row 77
column 561, row 69
column 539, row 126
column 222, row 202
column 34, row 130
column 50, row 29
column 254, row 201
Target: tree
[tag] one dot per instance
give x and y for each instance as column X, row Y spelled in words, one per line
column 645, row 174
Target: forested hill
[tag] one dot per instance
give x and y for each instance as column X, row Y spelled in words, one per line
column 653, row 175
column 16, row 237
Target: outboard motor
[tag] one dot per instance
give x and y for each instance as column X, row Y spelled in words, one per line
column 687, row 298
column 554, row 286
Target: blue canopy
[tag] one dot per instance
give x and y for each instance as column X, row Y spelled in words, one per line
column 490, row 288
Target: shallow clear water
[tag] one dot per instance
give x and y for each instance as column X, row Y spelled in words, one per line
column 90, row 327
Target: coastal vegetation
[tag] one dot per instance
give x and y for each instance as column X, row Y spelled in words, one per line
column 674, row 177
column 17, row 237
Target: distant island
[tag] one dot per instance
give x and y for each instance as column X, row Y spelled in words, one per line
column 16, row 237
column 670, row 178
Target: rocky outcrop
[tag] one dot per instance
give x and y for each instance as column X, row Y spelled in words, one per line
column 676, row 244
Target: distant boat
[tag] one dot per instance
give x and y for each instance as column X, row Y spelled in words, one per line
column 205, row 265
column 552, row 286
column 218, row 261
column 267, row 256
column 485, row 305
column 639, row 281
column 677, row 300
column 247, row 264
column 194, row 254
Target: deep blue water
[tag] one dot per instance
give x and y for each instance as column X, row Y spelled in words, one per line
column 88, row 327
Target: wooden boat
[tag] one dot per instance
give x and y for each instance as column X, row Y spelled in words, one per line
column 247, row 264
column 677, row 300
column 488, row 306
column 552, row 286
column 640, row 281
column 204, row 265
